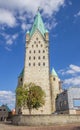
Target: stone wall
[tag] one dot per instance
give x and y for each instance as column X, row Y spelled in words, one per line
column 37, row 120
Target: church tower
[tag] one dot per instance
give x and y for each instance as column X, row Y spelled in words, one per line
column 36, row 67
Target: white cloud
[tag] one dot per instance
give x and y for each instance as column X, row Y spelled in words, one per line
column 8, row 49
column 7, row 97
column 14, row 36
column 25, row 26
column 70, row 2
column 30, row 7
column 74, row 81
column 71, row 70
column 75, row 68
column 6, row 17
column 9, row 42
column 50, row 25
column 48, row 6
column 10, row 39
column 71, row 75
column 77, row 14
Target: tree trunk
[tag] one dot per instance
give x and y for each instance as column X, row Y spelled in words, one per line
column 30, row 111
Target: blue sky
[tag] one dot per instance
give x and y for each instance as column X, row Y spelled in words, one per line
column 61, row 18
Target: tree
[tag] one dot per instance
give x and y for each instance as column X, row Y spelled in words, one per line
column 21, row 96
column 31, row 95
column 36, row 97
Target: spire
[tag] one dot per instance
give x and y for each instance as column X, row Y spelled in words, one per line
column 38, row 24
column 54, row 72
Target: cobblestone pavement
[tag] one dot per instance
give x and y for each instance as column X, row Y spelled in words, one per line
column 56, row 127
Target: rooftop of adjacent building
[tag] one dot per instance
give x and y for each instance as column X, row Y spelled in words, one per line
column 6, row 107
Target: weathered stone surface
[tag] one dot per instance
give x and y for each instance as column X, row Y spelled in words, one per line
column 39, row 120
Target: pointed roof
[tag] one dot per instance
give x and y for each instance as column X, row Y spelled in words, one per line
column 54, row 72
column 8, row 109
column 21, row 74
column 38, row 24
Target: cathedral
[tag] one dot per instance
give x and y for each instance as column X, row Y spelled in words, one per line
column 37, row 67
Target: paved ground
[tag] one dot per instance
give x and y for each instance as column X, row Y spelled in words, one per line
column 62, row 127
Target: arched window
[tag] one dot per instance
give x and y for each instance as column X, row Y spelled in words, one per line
column 54, row 79
column 33, row 64
column 39, row 51
column 43, row 57
column 32, row 46
column 36, row 45
column 29, row 64
column 43, row 63
column 29, row 57
column 39, row 64
column 39, row 57
column 34, row 51
column 30, row 51
column 21, row 79
column 36, row 38
column 34, row 57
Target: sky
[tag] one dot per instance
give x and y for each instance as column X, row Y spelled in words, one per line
column 61, row 18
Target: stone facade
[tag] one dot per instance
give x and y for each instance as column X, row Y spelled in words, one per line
column 36, row 67
column 69, row 101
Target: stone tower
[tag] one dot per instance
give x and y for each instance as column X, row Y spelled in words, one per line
column 36, row 67
column 56, row 88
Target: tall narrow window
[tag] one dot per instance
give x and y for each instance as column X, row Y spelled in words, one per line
column 21, row 79
column 34, row 51
column 36, row 45
column 39, row 51
column 54, row 79
column 43, row 57
column 33, row 64
column 29, row 64
column 43, row 64
column 34, row 57
column 43, row 51
column 37, row 38
column 39, row 57
column 38, row 64
column 30, row 51
column 29, row 57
